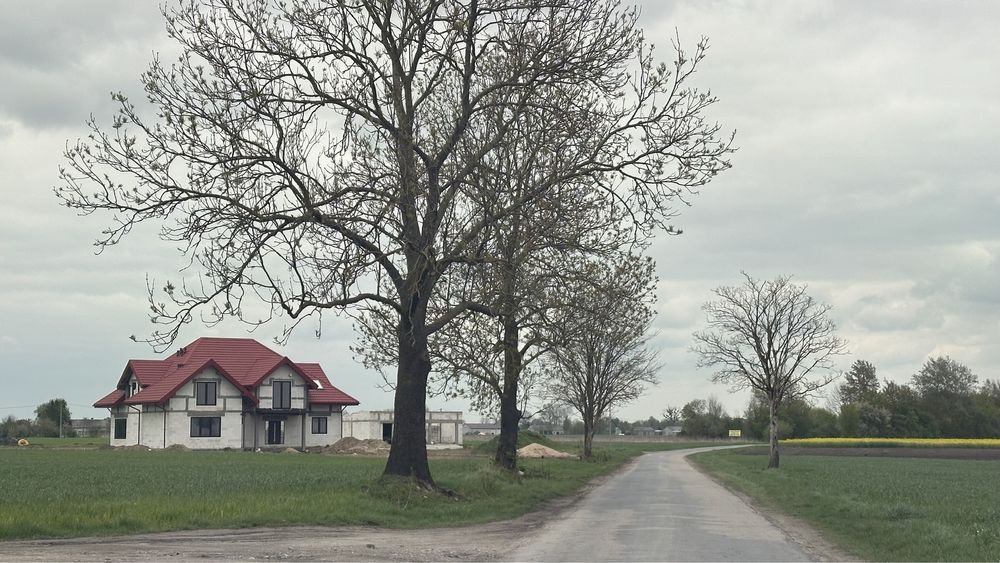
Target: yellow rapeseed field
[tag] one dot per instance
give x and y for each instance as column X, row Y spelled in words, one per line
column 897, row 442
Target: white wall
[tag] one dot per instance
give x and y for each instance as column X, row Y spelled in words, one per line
column 182, row 406
column 131, row 414
column 443, row 427
column 333, row 426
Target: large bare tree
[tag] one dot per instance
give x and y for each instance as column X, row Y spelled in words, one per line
column 769, row 336
column 600, row 353
column 318, row 154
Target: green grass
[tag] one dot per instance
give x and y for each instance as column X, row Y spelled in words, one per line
column 68, row 442
column 974, row 443
column 50, row 492
column 896, row 509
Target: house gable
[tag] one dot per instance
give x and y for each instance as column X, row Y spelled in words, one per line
column 227, row 395
column 299, row 386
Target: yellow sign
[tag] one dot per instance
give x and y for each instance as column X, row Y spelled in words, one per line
column 735, row 433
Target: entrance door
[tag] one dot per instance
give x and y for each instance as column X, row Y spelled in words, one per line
column 387, row 431
column 275, row 434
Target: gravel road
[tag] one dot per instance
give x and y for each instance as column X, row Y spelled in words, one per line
column 661, row 509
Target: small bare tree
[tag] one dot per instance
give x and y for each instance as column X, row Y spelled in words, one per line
column 601, row 359
column 769, row 336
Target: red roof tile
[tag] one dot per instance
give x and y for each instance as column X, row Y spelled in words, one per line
column 327, row 394
column 111, row 399
column 243, row 361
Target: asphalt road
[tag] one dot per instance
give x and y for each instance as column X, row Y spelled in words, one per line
column 660, row 509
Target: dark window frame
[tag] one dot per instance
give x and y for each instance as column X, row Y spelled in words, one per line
column 201, row 393
column 270, row 435
column 281, row 399
column 206, row 426
column 121, row 428
column 320, row 425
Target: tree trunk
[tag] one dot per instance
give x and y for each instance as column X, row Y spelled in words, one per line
column 510, row 417
column 588, row 437
column 408, row 451
column 772, row 459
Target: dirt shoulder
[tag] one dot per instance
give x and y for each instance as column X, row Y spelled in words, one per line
column 482, row 542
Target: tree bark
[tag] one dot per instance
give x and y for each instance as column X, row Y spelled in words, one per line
column 772, row 459
column 408, row 451
column 510, row 415
column 588, row 437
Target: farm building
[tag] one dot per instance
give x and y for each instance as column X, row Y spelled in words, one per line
column 90, row 427
column 225, row 393
column 443, row 427
column 482, row 428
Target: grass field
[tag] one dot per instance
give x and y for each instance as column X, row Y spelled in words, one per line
column 896, row 509
column 52, row 492
column 68, row 442
column 894, row 442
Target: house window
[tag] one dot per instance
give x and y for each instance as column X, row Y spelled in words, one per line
column 206, row 426
column 205, row 392
column 281, row 397
column 319, row 424
column 121, row 424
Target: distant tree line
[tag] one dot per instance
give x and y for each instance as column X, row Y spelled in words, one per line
column 46, row 423
column 944, row 399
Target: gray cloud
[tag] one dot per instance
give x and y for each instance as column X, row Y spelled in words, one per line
column 66, row 57
column 866, row 169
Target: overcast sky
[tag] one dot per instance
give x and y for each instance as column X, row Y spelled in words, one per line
column 867, row 168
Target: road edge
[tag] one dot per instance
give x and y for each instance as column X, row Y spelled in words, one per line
column 798, row 531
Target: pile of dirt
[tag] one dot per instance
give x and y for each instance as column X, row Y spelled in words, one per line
column 139, row 447
column 178, row 447
column 354, row 446
column 524, row 437
column 290, row 451
column 540, row 451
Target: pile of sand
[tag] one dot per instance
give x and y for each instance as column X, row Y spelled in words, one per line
column 354, row 446
column 538, row 450
column 290, row 451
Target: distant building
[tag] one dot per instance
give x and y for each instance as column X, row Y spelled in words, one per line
column 644, row 431
column 91, row 427
column 443, row 427
column 546, row 428
column 482, row 429
column 671, row 430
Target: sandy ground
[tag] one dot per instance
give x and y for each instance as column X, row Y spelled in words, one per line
column 487, row 542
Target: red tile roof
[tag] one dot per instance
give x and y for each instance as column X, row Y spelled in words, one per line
column 242, row 361
column 326, row 394
column 111, row 399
